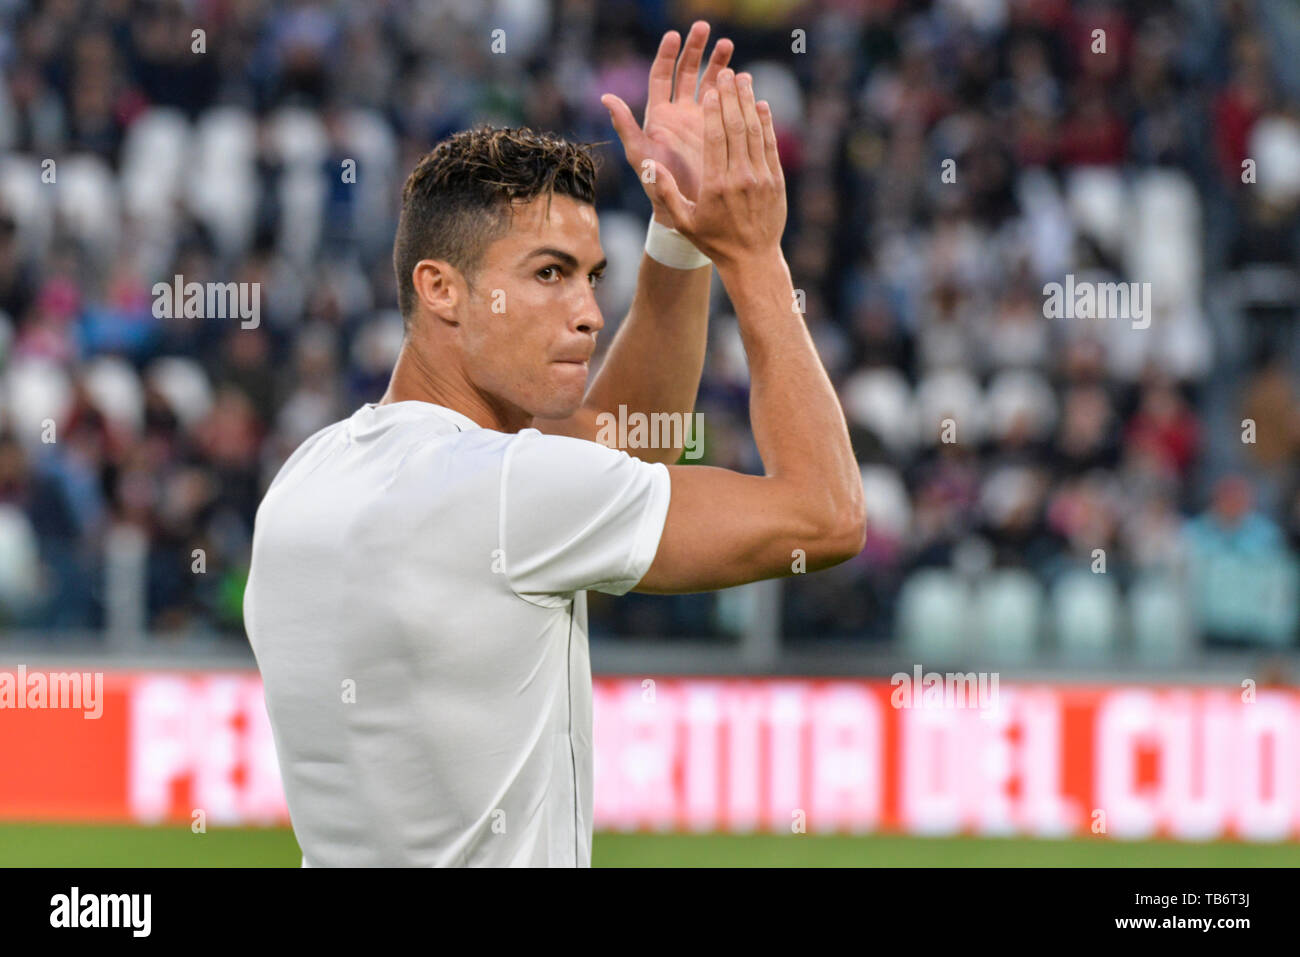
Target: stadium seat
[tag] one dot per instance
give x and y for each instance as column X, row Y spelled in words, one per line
column 368, row 138
column 950, row 394
column 1009, row 489
column 302, row 201
column 1275, row 146
column 1161, row 623
column 880, row 400
column 19, row 561
column 185, row 386
column 933, row 616
column 1183, row 343
column 1086, row 614
column 297, row 136
column 1163, row 245
column 527, row 23
column 155, row 156
column 1017, row 394
column 1008, row 614
column 223, row 191
column 35, row 390
column 23, row 195
column 888, row 506
column 1051, row 232
column 88, row 202
column 115, row 389
column 781, row 89
column 1099, row 204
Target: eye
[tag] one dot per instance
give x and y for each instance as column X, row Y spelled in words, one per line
column 596, row 279
column 549, row 273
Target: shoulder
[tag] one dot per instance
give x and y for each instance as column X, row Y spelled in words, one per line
column 542, row 472
column 315, row 440
column 538, row 451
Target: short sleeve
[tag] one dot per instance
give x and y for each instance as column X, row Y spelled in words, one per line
column 576, row 515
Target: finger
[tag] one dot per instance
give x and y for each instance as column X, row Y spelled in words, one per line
column 679, row 207
column 733, row 121
column 661, row 70
column 753, row 125
column 772, row 154
column 717, row 63
column 715, row 138
column 625, row 125
column 688, row 67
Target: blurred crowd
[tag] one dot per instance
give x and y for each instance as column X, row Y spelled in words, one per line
column 1033, row 479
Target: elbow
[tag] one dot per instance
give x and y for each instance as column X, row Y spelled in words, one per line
column 853, row 532
column 846, row 535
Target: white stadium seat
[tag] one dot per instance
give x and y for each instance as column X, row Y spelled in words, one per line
column 933, row 616
column 889, row 509
column 1086, row 609
column 185, row 386
column 1160, row 618
column 88, row 201
column 950, row 394
column 880, row 400
column 1009, row 614
column 116, row 391
column 1099, row 204
column 1017, row 394
column 36, row 390
column 155, row 158
column 222, row 188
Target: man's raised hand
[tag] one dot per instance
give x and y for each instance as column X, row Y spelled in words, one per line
column 740, row 211
column 670, row 149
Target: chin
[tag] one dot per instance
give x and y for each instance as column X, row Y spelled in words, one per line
column 559, row 404
column 565, row 398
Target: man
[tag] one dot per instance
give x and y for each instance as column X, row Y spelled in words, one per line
column 417, row 594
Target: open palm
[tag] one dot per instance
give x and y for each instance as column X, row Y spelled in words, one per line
column 671, row 144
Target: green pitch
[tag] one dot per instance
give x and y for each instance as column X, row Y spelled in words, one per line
column 61, row 845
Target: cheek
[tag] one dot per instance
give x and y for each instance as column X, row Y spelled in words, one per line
column 518, row 295
column 535, row 320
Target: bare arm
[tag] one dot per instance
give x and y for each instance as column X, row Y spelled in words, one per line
column 657, row 356
column 656, row 359
column 724, row 528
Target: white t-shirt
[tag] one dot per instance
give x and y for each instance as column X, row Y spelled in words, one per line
column 416, row 605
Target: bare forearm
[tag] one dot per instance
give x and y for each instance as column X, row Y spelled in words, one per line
column 798, row 424
column 656, row 358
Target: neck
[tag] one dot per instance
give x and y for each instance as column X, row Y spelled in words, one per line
column 417, row 378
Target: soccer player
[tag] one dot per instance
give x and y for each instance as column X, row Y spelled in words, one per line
column 417, row 594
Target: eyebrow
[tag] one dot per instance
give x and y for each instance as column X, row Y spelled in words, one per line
column 569, row 260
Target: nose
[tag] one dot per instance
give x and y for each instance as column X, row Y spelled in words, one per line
column 589, row 319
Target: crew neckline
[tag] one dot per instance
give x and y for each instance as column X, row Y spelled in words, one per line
column 460, row 419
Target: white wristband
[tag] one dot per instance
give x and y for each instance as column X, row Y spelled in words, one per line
column 666, row 245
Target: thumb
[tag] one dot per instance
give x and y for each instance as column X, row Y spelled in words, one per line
column 625, row 124
column 666, row 192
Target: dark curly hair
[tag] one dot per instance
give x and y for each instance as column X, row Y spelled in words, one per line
column 458, row 199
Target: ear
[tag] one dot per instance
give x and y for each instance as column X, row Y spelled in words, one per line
column 438, row 287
